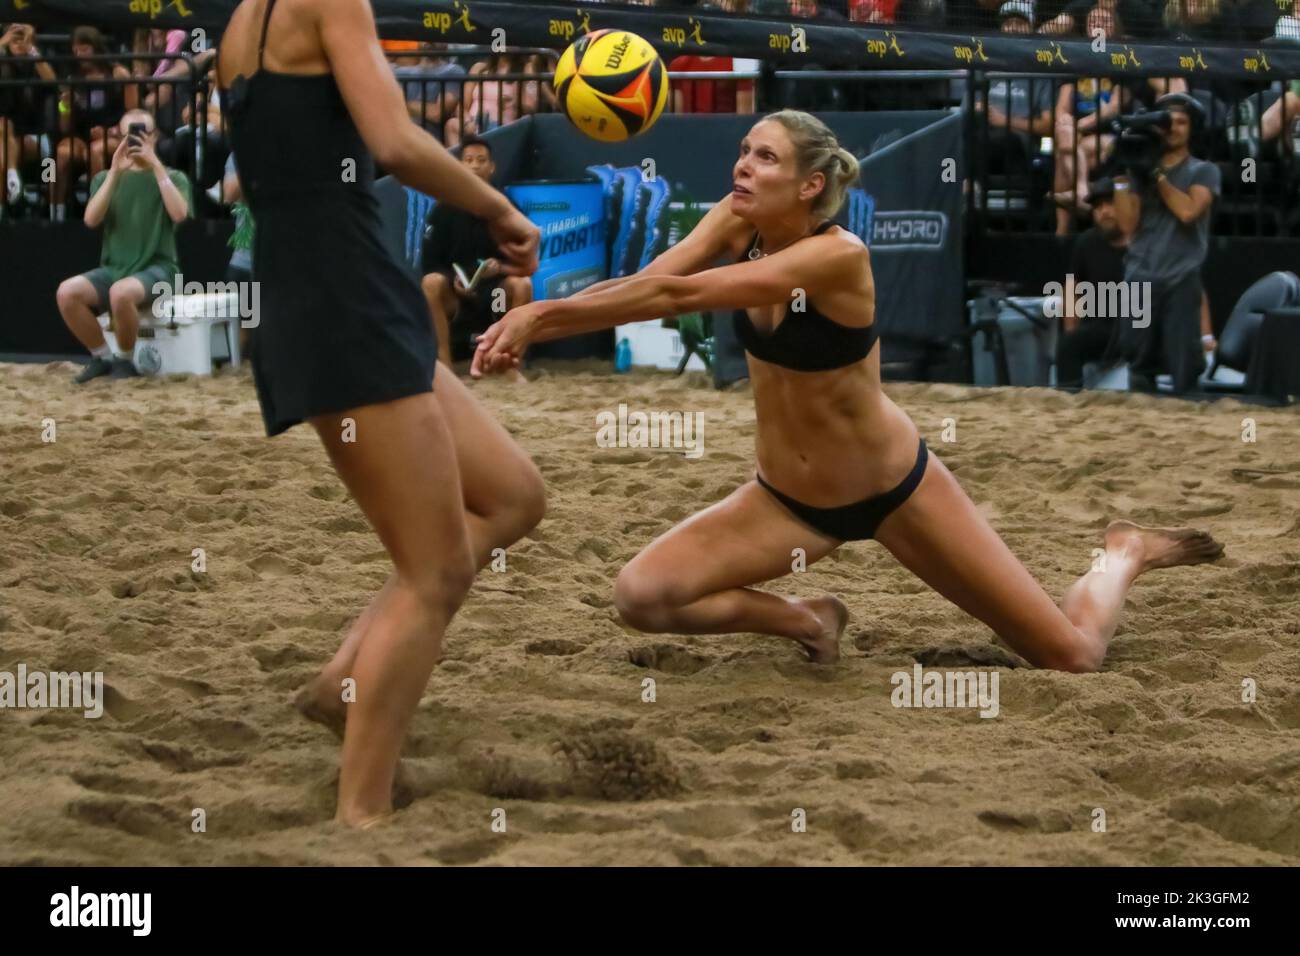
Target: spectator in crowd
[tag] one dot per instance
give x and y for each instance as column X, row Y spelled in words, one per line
column 1142, row 18
column 1197, row 21
column 199, row 145
column 24, row 115
column 86, row 116
column 973, row 16
column 432, row 85
column 1016, row 16
column 1083, row 109
column 1288, row 24
column 139, row 202
column 1097, row 257
column 240, row 267
column 153, row 42
column 1019, row 110
column 158, row 98
column 456, row 238
column 1279, row 120
column 873, row 11
column 1023, row 106
column 491, row 102
column 1167, row 212
column 1192, row 19
column 172, row 108
column 712, row 96
column 1247, row 21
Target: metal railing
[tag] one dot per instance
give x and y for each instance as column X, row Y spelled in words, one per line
column 450, row 101
column 71, row 123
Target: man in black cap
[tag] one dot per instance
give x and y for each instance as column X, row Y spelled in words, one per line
column 1167, row 213
column 1097, row 258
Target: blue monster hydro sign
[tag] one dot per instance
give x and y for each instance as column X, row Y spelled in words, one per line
column 571, row 216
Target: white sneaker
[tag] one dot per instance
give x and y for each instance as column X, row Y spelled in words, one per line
column 13, row 186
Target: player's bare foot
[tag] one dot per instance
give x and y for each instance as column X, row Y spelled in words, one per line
column 367, row 821
column 834, row 617
column 1161, row 547
column 321, row 701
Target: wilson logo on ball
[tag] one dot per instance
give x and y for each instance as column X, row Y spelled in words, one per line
column 611, row 84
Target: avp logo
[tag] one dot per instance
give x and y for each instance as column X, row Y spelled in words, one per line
column 679, row 36
column 1126, row 59
column 1193, row 62
column 1254, row 64
column 442, row 22
column 911, row 229
column 887, row 45
column 1054, row 55
column 567, row 28
column 967, row 54
column 155, row 7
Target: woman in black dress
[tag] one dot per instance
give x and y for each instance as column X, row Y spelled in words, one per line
column 345, row 343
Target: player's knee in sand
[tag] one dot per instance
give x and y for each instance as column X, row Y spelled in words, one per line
column 643, row 601
column 529, row 504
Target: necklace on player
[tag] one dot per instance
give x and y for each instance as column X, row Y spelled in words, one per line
column 757, row 253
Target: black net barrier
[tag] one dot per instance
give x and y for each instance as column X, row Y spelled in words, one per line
column 784, row 41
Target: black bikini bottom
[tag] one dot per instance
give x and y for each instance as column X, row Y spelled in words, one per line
column 859, row 521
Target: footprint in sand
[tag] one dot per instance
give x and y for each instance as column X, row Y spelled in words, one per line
column 553, row 647
column 128, row 589
column 184, row 760
column 669, row 658
column 272, row 566
column 1050, row 821
column 145, row 818
column 967, row 655
column 194, row 688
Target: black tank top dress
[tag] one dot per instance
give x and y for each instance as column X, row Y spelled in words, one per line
column 341, row 323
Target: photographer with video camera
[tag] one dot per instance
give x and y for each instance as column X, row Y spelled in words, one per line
column 1163, row 197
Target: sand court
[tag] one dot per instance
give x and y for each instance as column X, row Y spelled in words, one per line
column 539, row 708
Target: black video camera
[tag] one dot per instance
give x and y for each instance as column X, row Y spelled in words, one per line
column 1139, row 143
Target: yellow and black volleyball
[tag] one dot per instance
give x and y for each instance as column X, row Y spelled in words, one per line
column 611, row 84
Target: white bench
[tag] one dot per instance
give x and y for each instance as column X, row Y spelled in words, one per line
column 187, row 337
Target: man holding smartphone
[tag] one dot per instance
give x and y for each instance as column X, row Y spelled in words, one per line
column 139, row 202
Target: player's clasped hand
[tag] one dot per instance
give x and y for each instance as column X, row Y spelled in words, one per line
column 501, row 347
column 518, row 239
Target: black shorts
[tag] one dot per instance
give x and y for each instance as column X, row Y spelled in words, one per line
column 858, row 521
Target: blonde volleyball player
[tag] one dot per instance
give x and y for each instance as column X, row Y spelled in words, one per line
column 837, row 460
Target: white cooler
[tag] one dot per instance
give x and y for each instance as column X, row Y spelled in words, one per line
column 188, row 335
column 656, row 346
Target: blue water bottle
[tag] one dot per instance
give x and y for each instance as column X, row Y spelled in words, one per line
column 623, row 356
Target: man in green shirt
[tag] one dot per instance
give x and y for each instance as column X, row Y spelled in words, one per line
column 139, row 202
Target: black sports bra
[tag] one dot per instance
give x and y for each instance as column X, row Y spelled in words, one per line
column 805, row 341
